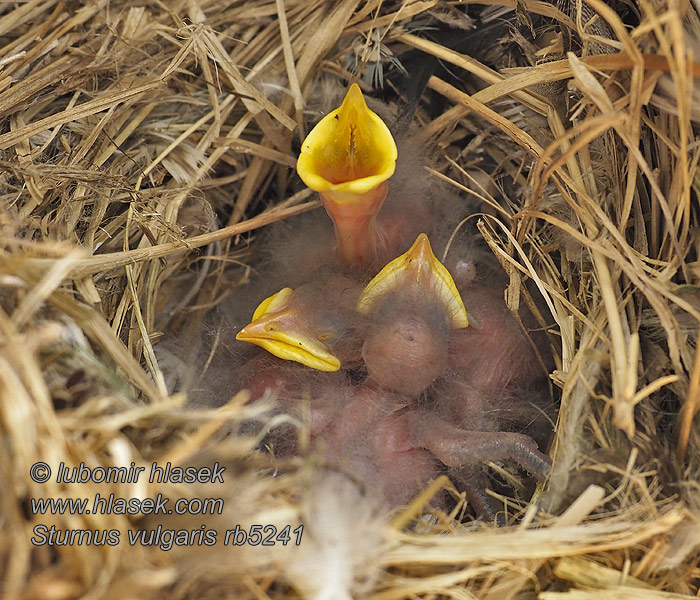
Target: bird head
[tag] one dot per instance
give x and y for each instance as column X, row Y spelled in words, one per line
column 314, row 325
column 348, row 158
column 413, row 305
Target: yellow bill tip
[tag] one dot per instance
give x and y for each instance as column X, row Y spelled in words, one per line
column 354, row 100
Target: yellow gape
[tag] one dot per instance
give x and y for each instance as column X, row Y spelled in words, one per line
column 348, row 158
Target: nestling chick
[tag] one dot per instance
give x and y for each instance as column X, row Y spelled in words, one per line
column 418, row 320
column 348, row 158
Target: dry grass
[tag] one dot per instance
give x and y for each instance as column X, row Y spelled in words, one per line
column 129, row 129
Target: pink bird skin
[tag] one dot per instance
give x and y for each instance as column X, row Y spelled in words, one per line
column 415, row 396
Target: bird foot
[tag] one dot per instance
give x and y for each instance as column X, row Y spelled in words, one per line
column 474, row 482
column 457, row 447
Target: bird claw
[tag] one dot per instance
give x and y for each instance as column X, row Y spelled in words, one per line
column 528, row 456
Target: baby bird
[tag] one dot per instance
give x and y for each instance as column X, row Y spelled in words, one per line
column 459, row 400
column 313, row 340
column 414, row 305
column 348, row 158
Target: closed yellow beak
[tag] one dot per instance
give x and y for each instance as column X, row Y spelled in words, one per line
column 281, row 330
column 347, row 158
column 418, row 268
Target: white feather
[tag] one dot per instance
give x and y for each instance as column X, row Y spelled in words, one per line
column 343, row 537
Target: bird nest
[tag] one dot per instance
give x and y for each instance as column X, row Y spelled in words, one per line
column 145, row 146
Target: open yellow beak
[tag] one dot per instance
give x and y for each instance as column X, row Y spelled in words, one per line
column 418, row 267
column 281, row 330
column 348, row 158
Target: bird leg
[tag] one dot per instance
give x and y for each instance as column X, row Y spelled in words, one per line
column 459, row 447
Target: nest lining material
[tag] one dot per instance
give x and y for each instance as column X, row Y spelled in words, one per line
column 129, row 130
